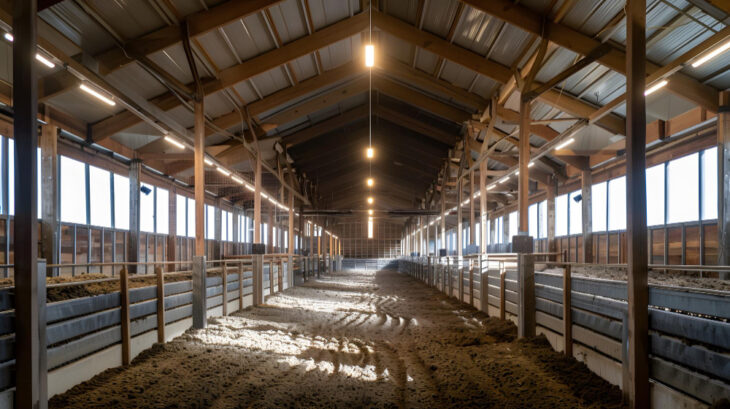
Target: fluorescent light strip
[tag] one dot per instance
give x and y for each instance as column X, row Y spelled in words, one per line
column 531, row 164
column 174, row 141
column 97, row 94
column 564, row 144
column 654, row 88
column 223, row 171
column 712, row 54
column 237, row 179
column 208, row 161
column 45, row 61
column 9, row 37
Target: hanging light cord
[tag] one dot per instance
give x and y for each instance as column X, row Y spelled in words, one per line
column 370, row 90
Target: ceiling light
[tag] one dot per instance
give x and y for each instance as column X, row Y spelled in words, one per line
column 237, row 179
column 370, row 181
column 249, row 187
column 370, row 153
column 208, row 161
column 223, row 171
column 531, row 164
column 174, row 141
column 504, row 179
column 564, row 144
column 97, row 94
column 369, row 55
column 370, row 200
column 490, row 187
column 654, row 88
column 9, row 37
column 45, row 61
column 712, row 54
column 370, row 212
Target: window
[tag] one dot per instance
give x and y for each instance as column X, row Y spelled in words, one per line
column 162, row 218
column 229, row 223
column 100, row 192
column 11, row 178
column 191, row 217
column 224, row 225
column 576, row 213
column 542, row 216
column 683, row 194
column 561, row 215
column 617, row 204
column 532, row 221
column 478, row 234
column 499, row 230
column 73, row 192
column 709, row 184
column 121, row 202
column 598, row 206
column 655, row 195
column 209, row 222
column 181, row 215
column 147, row 208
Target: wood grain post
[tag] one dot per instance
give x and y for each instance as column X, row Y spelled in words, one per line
column 280, row 275
column 471, row 285
column 240, row 285
column 160, row 304
column 224, row 269
column 502, row 298
column 526, row 307
column 257, row 264
column 124, row 309
column 723, row 178
column 200, row 298
column 636, row 230
column 567, row 312
column 271, row 277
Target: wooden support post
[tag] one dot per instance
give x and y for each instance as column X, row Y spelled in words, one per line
column 472, row 222
column 234, row 229
column 459, row 219
column 471, row 284
column 502, row 292
column 224, row 275
column 270, row 231
column 217, row 231
column 257, row 239
column 280, row 275
column 257, row 265
column 199, row 163
column 49, row 191
column 523, row 181
column 552, row 187
column 567, row 312
column 200, row 299
column 172, row 229
column 134, row 199
column 271, row 277
column 586, row 201
column 160, row 304
column 638, row 294
column 292, row 245
column 483, row 217
column 526, row 307
column 723, row 177
column 30, row 325
column 240, row 285
column 124, row 312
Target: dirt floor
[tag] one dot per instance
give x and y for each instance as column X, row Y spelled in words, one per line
column 355, row 339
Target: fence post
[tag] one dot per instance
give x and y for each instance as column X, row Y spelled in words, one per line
column 502, row 291
column 257, row 264
column 471, row 284
column 42, row 353
column 460, row 268
column 484, row 288
column 271, row 277
column 124, row 300
column 200, row 299
column 526, row 307
column 280, row 275
column 290, row 270
column 567, row 313
column 224, row 270
column 160, row 304
column 240, row 285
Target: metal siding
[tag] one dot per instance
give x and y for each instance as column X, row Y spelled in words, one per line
column 129, row 18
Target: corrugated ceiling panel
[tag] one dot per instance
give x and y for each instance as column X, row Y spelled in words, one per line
column 339, row 53
column 246, row 92
column 426, row 61
column 457, row 75
column 250, row 36
column 173, row 60
column 73, row 23
column 326, row 12
column 289, row 20
column 129, row 18
column 440, row 15
column 509, row 44
column 188, row 7
column 477, row 31
column 577, row 83
column 485, row 87
column 217, row 104
column 304, row 67
column 136, row 137
column 611, row 85
column 406, row 10
column 216, row 47
column 590, row 17
column 396, row 48
column 271, row 81
column 183, row 116
column 558, row 61
column 146, row 85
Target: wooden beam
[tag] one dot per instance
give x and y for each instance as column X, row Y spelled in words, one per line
column 524, row 161
column 416, row 98
column 636, row 380
column 326, row 126
column 199, row 175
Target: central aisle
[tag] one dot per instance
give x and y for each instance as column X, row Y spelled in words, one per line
column 354, row 339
